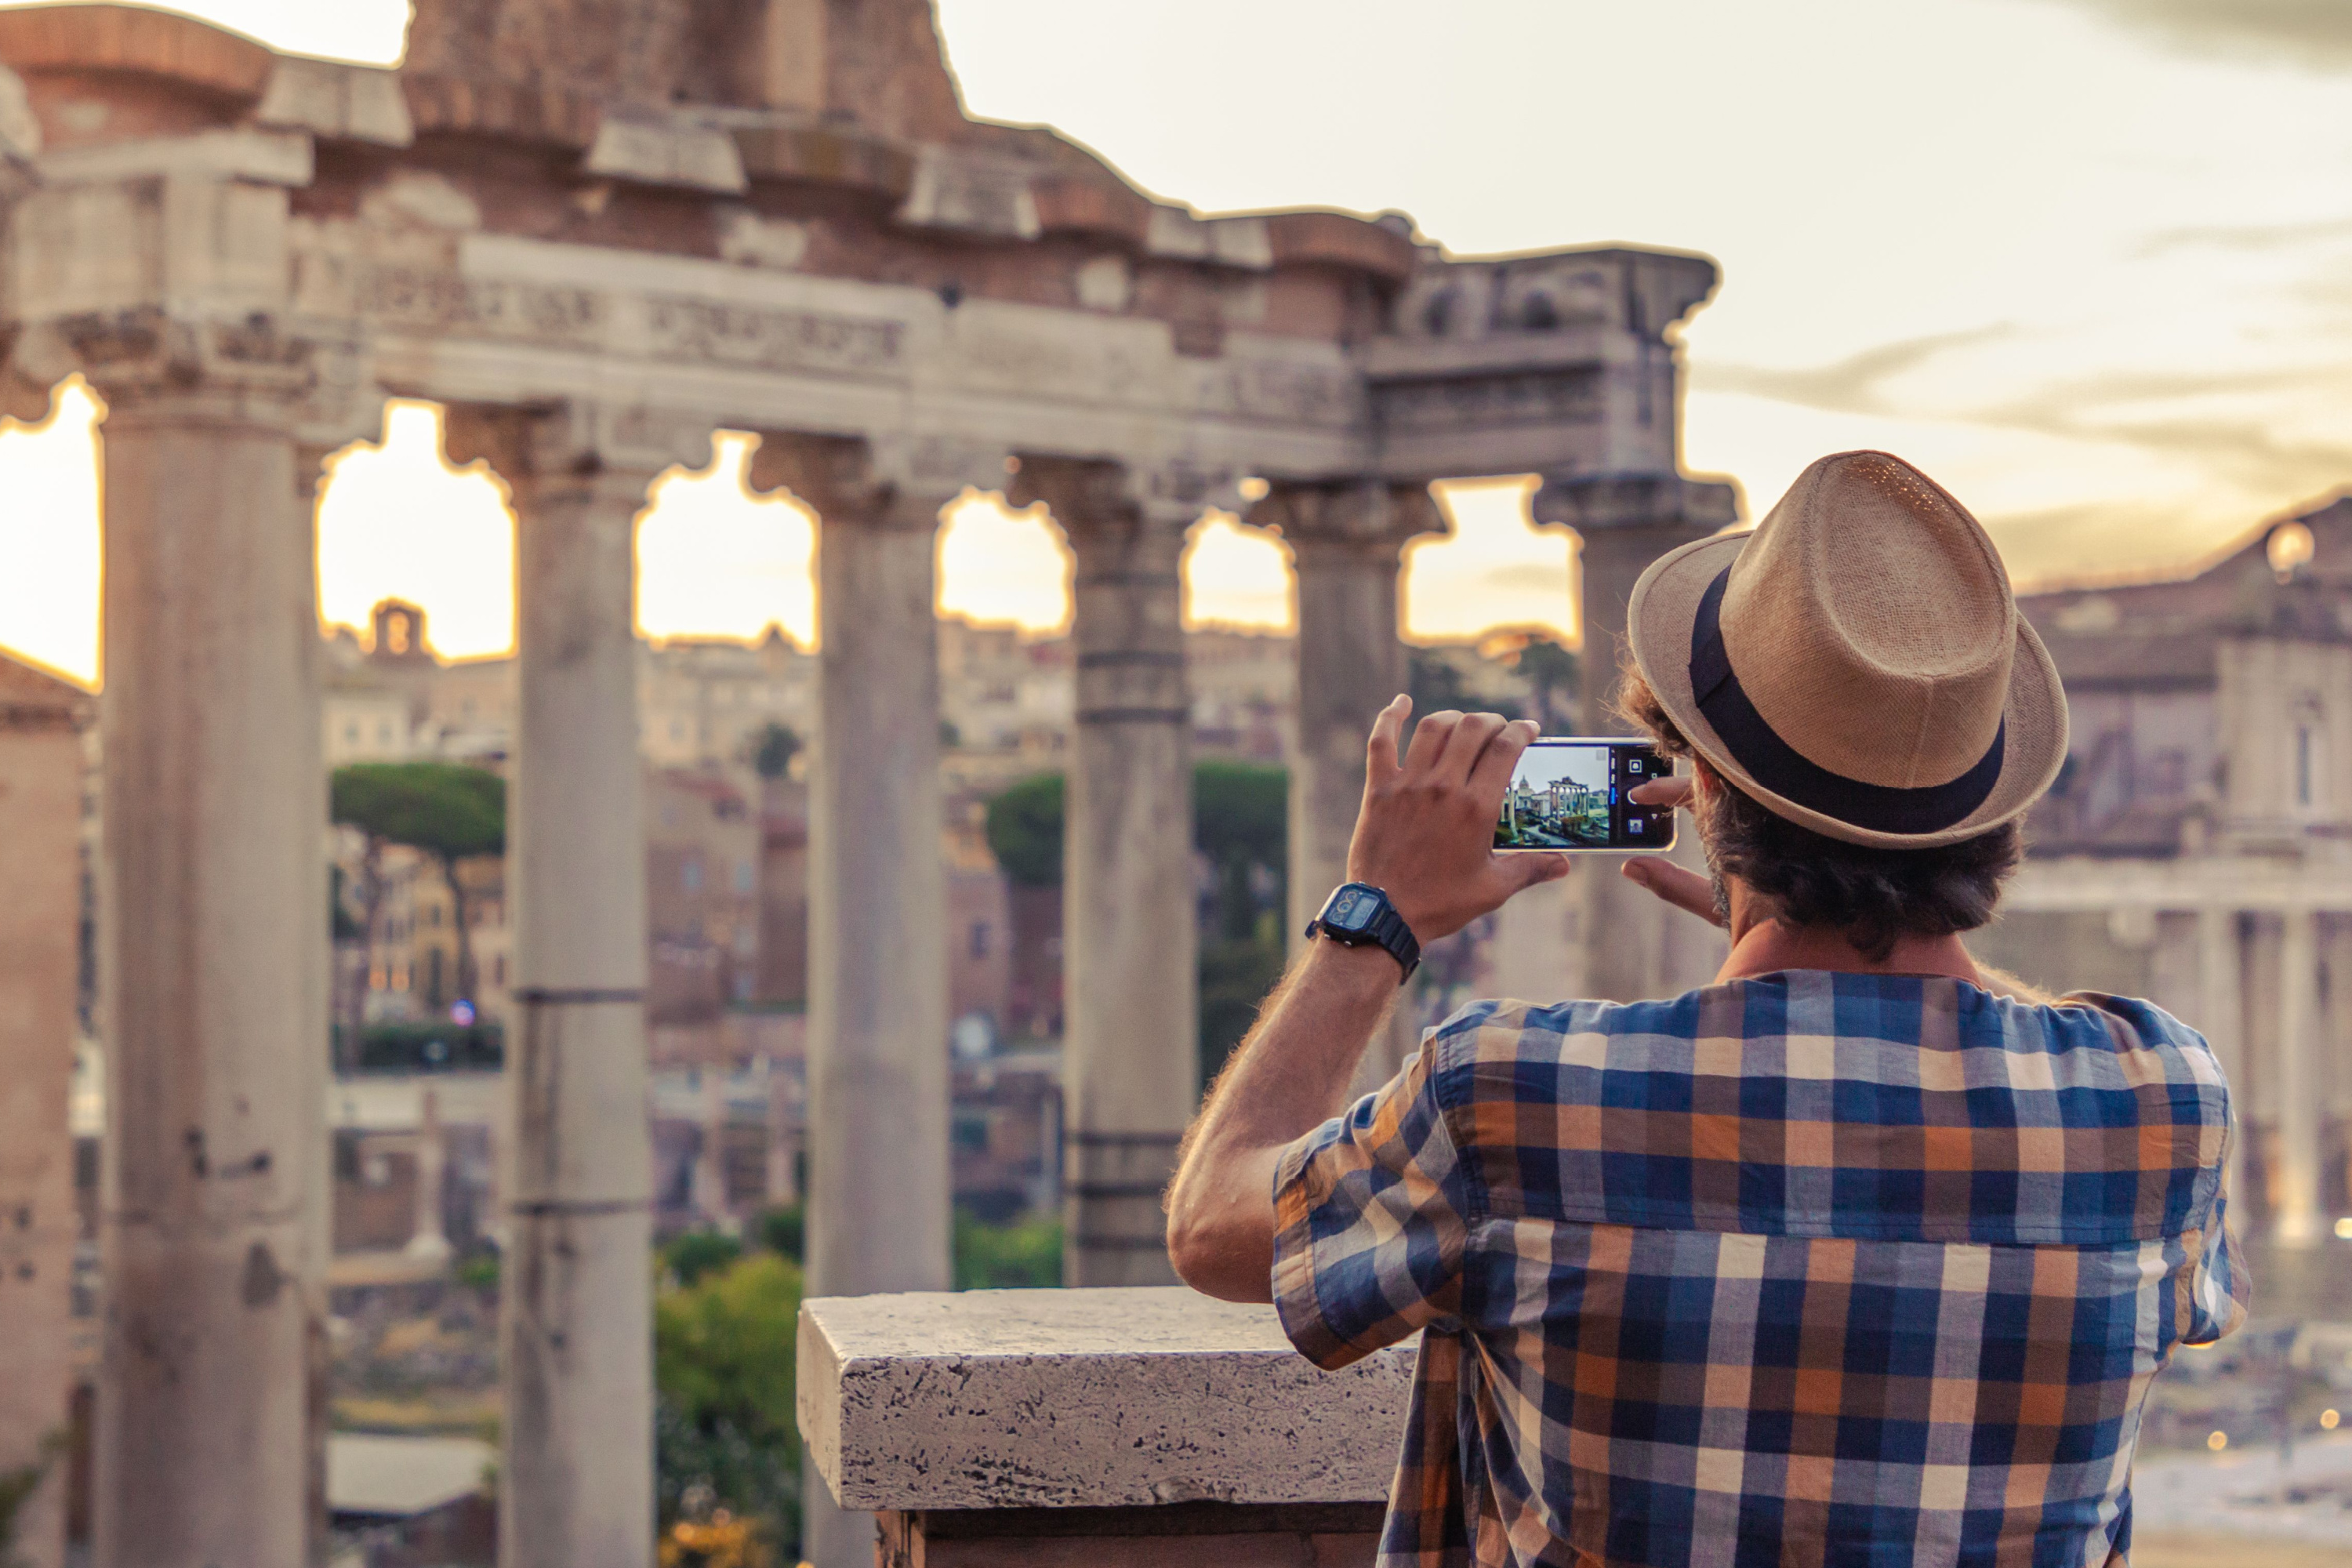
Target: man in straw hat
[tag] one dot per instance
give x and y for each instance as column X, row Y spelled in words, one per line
column 1862, row 1254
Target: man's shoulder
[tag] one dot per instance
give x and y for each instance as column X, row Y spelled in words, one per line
column 2099, row 1033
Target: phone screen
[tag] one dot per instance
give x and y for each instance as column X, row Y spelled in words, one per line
column 1570, row 793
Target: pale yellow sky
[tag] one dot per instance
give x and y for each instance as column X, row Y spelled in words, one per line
column 2083, row 259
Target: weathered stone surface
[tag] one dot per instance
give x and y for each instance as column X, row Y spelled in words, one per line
column 327, row 98
column 1115, row 1398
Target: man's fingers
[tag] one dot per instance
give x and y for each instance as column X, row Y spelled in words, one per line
column 1380, row 751
column 1686, row 889
column 1660, row 792
column 1467, row 744
column 1429, row 738
column 1492, row 773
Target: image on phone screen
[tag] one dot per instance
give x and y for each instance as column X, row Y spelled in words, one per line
column 1570, row 793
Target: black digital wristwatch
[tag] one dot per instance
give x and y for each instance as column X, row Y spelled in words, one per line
column 1360, row 915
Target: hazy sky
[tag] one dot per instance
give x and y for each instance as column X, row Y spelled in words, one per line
column 2087, row 261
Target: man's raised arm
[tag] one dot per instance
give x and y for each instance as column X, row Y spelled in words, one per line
column 1426, row 837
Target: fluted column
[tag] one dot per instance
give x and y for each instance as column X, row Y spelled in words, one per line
column 2300, row 1221
column 878, row 1184
column 1131, row 1046
column 575, row 1487
column 1347, row 540
column 1636, row 946
column 2222, row 1020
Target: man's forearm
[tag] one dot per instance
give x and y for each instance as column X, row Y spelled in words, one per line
column 1290, row 1075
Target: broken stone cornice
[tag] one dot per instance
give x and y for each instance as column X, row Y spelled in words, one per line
column 337, row 102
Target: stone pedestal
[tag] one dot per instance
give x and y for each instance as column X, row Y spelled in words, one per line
column 42, row 720
column 2300, row 1106
column 1132, row 1052
column 1636, row 945
column 1185, row 1430
column 878, row 1187
column 215, row 817
column 575, row 1487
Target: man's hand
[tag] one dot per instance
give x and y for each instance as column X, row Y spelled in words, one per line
column 1425, row 835
column 1678, row 885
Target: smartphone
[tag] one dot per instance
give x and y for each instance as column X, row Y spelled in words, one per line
column 1569, row 793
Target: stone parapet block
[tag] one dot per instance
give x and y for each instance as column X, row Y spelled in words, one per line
column 1068, row 1399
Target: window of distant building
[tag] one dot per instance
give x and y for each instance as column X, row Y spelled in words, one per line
column 498, row 970
column 971, row 1130
column 2310, row 776
column 743, row 877
column 690, row 875
column 980, row 939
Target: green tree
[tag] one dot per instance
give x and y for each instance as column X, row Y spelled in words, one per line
column 694, row 1254
column 1240, row 823
column 771, row 750
column 723, row 1419
column 448, row 811
column 1025, row 830
column 1026, row 1254
column 1555, row 676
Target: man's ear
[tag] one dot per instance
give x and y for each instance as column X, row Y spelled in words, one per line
column 1704, row 781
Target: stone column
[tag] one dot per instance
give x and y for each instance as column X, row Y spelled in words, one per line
column 216, row 818
column 878, row 1193
column 2300, row 1222
column 41, row 724
column 1346, row 540
column 309, row 472
column 1131, row 1051
column 2221, row 975
column 1636, row 946
column 575, row 1488
column 429, row 1242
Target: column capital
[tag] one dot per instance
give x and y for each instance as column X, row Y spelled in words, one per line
column 1095, row 492
column 1590, row 503
column 576, row 438
column 853, row 480
column 310, row 376
column 1372, row 518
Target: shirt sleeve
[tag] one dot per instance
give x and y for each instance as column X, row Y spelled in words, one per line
column 1373, row 1216
column 2219, row 1290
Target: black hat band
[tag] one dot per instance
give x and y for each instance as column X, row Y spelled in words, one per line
column 1789, row 774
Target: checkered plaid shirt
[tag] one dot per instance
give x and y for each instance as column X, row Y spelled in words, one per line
column 1812, row 1270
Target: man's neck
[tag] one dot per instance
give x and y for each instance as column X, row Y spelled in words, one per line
column 1761, row 944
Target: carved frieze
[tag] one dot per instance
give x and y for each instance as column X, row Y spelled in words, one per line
column 551, row 314
column 721, row 333
column 1547, row 397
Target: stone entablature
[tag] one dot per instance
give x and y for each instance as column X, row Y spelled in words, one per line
column 486, row 225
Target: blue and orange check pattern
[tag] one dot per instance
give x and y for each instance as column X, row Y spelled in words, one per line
column 1810, row 1270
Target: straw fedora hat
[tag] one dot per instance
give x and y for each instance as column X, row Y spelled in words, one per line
column 1856, row 664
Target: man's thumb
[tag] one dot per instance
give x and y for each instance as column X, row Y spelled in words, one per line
column 1530, row 870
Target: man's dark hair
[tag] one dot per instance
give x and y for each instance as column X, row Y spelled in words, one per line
column 1873, row 896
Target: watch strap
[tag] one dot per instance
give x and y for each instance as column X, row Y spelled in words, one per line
column 1387, row 930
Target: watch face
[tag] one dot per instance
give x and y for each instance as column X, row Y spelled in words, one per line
column 1352, row 910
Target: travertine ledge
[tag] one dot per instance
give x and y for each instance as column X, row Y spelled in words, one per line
column 1118, row 1398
